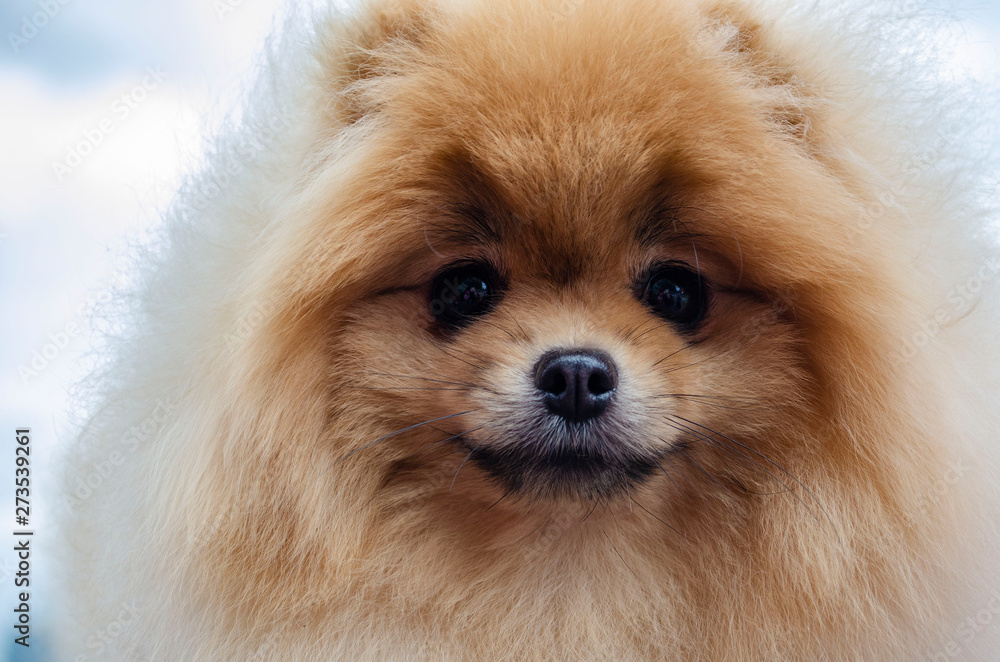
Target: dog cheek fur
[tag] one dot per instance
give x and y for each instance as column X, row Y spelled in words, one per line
column 235, row 543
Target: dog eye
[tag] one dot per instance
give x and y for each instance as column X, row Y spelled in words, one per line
column 676, row 294
column 462, row 293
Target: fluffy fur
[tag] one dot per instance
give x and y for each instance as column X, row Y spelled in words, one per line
column 825, row 480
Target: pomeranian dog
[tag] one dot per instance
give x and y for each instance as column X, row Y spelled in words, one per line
column 513, row 330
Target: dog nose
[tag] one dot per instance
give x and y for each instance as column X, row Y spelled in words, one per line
column 576, row 384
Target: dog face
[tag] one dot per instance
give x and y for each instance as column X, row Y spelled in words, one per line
column 580, row 346
column 574, row 296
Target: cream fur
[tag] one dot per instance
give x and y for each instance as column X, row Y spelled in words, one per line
column 839, row 184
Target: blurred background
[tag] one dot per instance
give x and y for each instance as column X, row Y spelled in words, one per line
column 103, row 105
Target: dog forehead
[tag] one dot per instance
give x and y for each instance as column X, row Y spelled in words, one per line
column 560, row 226
column 585, row 135
column 572, row 137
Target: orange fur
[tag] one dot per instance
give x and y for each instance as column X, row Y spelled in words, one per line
column 258, row 523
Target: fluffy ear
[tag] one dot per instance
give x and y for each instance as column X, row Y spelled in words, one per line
column 744, row 39
column 384, row 35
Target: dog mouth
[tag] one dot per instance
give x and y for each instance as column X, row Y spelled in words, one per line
column 574, row 464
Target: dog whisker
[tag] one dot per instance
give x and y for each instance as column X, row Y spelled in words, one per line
column 742, row 457
column 439, row 442
column 505, row 494
column 406, row 429
column 676, row 352
column 713, row 442
column 458, row 385
column 685, row 366
column 477, row 365
column 593, row 507
column 743, row 488
column 460, row 467
column 657, row 518
column 693, row 461
column 525, row 336
column 410, row 388
column 703, row 398
column 628, row 336
column 658, row 327
column 500, row 328
column 809, row 492
column 420, row 377
column 624, row 562
column 669, row 477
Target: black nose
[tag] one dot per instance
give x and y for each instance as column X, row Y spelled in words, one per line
column 576, row 384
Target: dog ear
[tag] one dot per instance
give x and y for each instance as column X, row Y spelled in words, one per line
column 385, row 36
column 792, row 103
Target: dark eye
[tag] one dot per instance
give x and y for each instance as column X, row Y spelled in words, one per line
column 462, row 293
column 676, row 294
